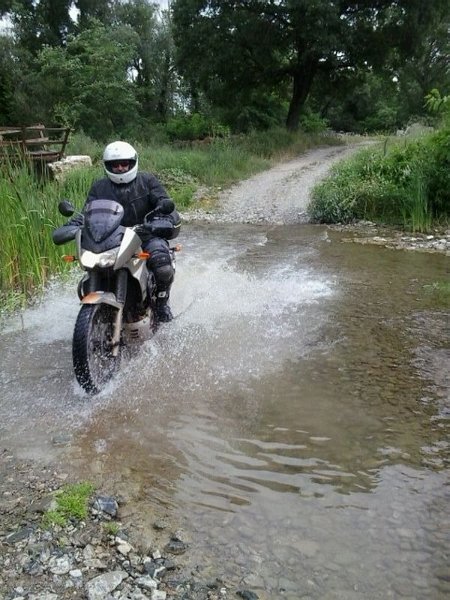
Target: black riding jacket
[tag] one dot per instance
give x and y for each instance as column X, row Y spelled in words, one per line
column 138, row 197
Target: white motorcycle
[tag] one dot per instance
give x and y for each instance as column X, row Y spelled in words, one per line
column 117, row 291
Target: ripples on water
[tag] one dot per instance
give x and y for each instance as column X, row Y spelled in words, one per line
column 294, row 416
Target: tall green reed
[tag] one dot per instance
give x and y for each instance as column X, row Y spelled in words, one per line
column 415, row 207
column 28, row 208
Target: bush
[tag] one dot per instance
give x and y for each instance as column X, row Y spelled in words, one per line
column 407, row 184
column 81, row 143
column 194, row 127
column 437, row 168
column 311, row 122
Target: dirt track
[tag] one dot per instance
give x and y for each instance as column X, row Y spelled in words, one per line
column 278, row 195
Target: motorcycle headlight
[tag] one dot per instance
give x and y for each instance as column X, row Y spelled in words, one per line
column 104, row 260
column 107, row 259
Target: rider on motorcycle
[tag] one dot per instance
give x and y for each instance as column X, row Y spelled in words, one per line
column 139, row 193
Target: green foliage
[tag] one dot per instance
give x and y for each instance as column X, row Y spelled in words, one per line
column 436, row 102
column 111, row 528
column 82, row 144
column 194, row 127
column 278, row 141
column 390, row 96
column 440, row 291
column 437, row 169
column 218, row 163
column 41, row 23
column 403, row 183
column 179, row 184
column 312, row 122
column 6, row 79
column 247, row 53
column 154, row 75
column 28, row 256
column 72, row 503
column 87, row 81
column 115, row 69
column 360, row 101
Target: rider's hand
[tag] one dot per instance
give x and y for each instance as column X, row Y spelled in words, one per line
column 142, row 230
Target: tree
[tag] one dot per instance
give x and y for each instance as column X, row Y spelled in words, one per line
column 36, row 24
column 153, row 63
column 43, row 27
column 93, row 9
column 418, row 74
column 87, row 84
column 49, row 22
column 231, row 49
column 6, row 79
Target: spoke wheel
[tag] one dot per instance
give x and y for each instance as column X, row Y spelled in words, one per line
column 93, row 360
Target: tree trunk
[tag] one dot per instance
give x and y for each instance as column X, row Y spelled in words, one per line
column 162, row 107
column 303, row 77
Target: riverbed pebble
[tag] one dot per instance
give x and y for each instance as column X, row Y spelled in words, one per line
column 363, row 232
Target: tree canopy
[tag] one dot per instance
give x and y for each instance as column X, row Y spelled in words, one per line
column 125, row 65
column 260, row 48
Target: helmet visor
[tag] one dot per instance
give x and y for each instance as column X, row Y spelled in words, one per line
column 121, row 163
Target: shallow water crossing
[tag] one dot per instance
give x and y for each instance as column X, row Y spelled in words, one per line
column 293, row 418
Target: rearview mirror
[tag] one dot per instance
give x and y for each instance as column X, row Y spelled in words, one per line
column 66, row 208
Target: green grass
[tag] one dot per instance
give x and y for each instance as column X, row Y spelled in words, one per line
column 29, row 213
column 439, row 291
column 111, row 528
column 72, row 503
column 406, row 184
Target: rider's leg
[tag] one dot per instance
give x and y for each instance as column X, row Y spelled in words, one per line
column 160, row 263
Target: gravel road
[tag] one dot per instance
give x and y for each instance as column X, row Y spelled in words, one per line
column 278, row 195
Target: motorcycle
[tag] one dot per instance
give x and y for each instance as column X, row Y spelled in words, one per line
column 117, row 291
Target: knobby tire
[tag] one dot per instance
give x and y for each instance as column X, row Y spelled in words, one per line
column 93, row 361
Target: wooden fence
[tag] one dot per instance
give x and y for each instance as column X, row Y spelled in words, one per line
column 37, row 143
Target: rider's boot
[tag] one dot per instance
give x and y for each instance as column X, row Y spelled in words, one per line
column 163, row 312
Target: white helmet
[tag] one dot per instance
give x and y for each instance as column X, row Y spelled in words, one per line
column 120, row 151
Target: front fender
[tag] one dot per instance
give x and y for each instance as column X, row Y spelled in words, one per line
column 102, row 298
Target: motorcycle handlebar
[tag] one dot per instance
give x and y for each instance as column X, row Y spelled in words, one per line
column 165, row 208
column 64, row 234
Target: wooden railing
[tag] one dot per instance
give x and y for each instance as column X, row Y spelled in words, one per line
column 37, row 143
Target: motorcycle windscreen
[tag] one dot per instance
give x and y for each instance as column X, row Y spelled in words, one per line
column 101, row 218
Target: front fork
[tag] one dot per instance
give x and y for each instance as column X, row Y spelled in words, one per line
column 121, row 296
column 117, row 332
column 89, row 294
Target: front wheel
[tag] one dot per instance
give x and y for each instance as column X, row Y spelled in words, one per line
column 92, row 349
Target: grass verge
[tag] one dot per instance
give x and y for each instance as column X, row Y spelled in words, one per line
column 404, row 184
column 71, row 503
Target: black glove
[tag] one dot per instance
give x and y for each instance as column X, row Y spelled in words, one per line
column 143, row 231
